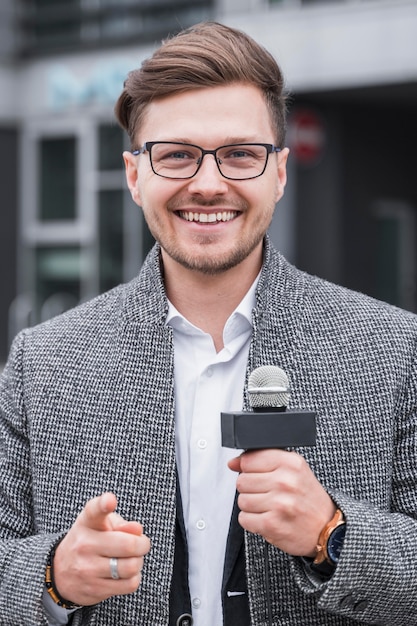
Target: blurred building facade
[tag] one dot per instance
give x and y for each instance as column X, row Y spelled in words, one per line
column 69, row 229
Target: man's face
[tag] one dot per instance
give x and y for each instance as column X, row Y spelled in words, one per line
column 238, row 211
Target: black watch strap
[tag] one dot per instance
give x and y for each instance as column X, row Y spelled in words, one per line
column 325, row 570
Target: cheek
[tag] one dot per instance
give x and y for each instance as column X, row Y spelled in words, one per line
column 160, row 195
column 147, row 190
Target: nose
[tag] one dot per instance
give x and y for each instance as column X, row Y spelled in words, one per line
column 208, row 181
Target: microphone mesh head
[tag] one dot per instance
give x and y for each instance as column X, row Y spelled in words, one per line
column 268, row 387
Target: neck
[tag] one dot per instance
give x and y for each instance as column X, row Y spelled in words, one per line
column 208, row 301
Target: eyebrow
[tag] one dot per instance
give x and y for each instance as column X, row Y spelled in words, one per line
column 226, row 141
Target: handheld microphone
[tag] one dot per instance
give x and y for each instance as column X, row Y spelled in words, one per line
column 269, row 424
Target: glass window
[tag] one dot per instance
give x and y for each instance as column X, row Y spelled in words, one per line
column 110, row 146
column 57, row 197
column 58, row 274
column 395, row 252
column 110, row 238
column 52, row 25
column 387, row 239
column 40, row 4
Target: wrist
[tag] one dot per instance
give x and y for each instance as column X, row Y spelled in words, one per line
column 50, row 582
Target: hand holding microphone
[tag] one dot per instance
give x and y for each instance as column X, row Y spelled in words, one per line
column 281, row 499
column 279, row 496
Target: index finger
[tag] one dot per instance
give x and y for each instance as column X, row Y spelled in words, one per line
column 260, row 461
column 96, row 513
column 234, row 464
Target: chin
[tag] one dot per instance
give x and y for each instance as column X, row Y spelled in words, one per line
column 211, row 264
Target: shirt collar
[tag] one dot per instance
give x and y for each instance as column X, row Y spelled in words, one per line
column 239, row 321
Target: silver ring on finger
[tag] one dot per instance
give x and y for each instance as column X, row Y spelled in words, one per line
column 114, row 572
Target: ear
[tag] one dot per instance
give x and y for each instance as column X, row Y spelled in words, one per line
column 131, row 171
column 282, row 172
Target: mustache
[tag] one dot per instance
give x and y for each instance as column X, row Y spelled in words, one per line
column 190, row 202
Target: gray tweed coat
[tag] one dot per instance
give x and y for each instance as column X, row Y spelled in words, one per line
column 87, row 405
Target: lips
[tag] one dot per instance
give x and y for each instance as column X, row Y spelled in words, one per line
column 208, row 218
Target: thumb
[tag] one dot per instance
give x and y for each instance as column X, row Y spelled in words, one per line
column 97, row 512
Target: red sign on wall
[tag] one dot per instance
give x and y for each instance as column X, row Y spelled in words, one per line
column 306, row 136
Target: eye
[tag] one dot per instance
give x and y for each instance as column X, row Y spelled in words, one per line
column 238, row 153
column 176, row 155
column 241, row 153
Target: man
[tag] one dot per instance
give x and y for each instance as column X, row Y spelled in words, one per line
column 117, row 403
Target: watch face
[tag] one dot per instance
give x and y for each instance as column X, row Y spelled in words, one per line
column 335, row 543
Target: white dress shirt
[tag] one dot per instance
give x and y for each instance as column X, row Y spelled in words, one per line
column 207, row 383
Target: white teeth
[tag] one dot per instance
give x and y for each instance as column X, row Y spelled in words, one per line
column 204, row 218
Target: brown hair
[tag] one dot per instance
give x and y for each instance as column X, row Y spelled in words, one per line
column 206, row 55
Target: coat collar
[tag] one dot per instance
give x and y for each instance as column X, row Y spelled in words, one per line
column 146, row 301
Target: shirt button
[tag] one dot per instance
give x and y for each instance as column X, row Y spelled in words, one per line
column 202, row 444
column 196, row 603
column 201, row 524
column 209, row 372
column 184, row 620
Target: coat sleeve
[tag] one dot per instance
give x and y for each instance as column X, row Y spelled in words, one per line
column 375, row 581
column 23, row 552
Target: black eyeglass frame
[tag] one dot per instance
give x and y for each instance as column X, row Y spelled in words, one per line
column 148, row 145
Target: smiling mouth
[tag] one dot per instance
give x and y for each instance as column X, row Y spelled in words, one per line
column 208, row 218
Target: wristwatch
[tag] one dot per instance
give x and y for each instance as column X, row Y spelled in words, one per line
column 330, row 541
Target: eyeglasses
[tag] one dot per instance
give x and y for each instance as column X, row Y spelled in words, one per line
column 236, row 161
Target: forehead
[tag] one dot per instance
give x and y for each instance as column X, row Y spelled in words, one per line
column 212, row 115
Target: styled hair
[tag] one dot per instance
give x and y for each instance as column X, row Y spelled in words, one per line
column 208, row 54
